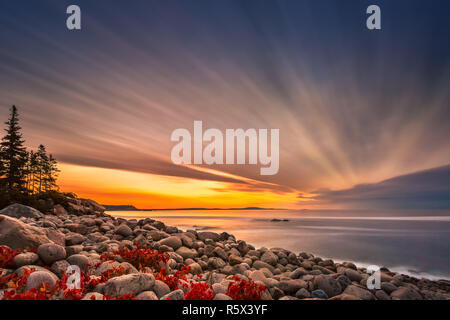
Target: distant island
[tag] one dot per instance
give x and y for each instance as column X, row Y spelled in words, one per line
column 133, row 208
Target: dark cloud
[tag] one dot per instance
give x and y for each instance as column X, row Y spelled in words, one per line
column 429, row 189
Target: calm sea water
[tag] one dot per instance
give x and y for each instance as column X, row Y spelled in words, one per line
column 414, row 242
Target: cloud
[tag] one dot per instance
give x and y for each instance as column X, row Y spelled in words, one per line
column 428, row 189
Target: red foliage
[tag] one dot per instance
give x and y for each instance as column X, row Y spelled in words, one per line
column 7, row 257
column 199, row 291
column 140, row 257
column 32, row 294
column 173, row 280
column 245, row 290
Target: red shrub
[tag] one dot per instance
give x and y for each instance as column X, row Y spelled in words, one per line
column 199, row 291
column 173, row 280
column 140, row 257
column 7, row 257
column 245, row 290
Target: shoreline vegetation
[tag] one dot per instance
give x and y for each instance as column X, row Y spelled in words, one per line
column 56, row 246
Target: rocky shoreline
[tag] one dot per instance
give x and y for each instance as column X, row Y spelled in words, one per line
column 144, row 259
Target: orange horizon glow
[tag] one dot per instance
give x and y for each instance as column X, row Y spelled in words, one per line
column 147, row 191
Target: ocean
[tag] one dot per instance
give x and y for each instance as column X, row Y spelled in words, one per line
column 412, row 242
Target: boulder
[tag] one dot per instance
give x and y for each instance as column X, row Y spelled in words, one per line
column 186, row 253
column 174, row 295
column 359, row 292
column 222, row 296
column 26, row 258
column 51, row 252
column 74, row 239
column 405, row 293
column 18, row 235
column 147, row 295
column 93, row 296
column 129, row 284
column 18, row 211
column 124, row 230
column 38, row 278
column 270, row 258
column 160, row 288
column 328, row 284
column 59, row 210
column 208, row 235
column 172, row 242
column 291, row 287
column 60, row 268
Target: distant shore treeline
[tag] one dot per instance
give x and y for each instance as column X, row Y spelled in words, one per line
column 25, row 175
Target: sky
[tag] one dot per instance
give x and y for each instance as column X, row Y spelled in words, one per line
column 355, row 107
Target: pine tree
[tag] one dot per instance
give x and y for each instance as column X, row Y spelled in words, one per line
column 52, row 174
column 13, row 156
column 42, row 168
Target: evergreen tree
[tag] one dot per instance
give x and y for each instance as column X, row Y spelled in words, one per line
column 42, row 168
column 13, row 156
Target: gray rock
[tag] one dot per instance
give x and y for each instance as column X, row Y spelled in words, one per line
column 124, row 230
column 344, row 281
column 172, row 242
column 216, row 263
column 388, row 287
column 297, row 273
column 208, row 235
column 129, row 284
column 147, row 295
column 50, row 252
column 353, row 275
column 303, row 294
column 222, row 296
column 195, row 268
column 18, row 235
column 292, row 286
column 381, row 295
column 174, row 295
column 59, row 210
column 160, row 288
column 74, row 239
column 328, row 284
column 270, row 258
column 18, row 211
column 25, row 258
column 79, row 260
column 319, row 294
column 405, row 293
column 60, row 267
column 234, row 259
column 359, row 292
column 186, row 253
column 93, row 296
column 39, row 278
column 260, row 265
